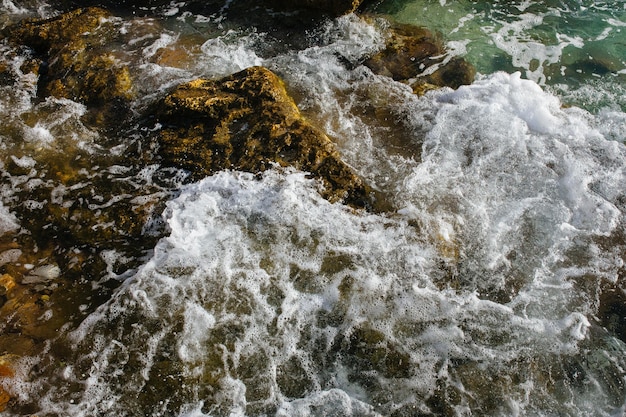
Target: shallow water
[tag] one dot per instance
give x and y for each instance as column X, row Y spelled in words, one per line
column 477, row 293
column 562, row 44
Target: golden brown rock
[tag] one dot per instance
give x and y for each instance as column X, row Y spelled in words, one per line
column 77, row 66
column 409, row 51
column 248, row 122
column 181, row 54
column 6, row 284
column 412, row 52
column 5, row 371
column 17, row 344
column 454, row 73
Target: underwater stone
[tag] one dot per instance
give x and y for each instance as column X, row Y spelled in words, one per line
column 248, row 122
column 411, row 54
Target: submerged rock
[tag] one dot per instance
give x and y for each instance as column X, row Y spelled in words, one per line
column 417, row 56
column 247, row 121
column 612, row 310
column 75, row 62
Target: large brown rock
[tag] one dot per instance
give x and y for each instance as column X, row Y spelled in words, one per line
column 75, row 62
column 417, row 56
column 248, row 122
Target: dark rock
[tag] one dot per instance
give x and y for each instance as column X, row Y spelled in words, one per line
column 454, row 73
column 247, row 121
column 332, row 7
column 76, row 65
column 612, row 310
column 411, row 55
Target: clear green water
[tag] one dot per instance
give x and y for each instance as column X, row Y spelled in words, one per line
column 568, row 46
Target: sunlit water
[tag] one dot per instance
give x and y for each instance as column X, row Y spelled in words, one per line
column 476, row 293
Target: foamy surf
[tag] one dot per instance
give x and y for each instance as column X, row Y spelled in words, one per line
column 265, row 298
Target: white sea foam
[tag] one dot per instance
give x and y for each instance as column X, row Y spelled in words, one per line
column 41, row 274
column 507, row 179
column 229, row 53
column 8, row 221
column 324, row 403
column 12, row 8
column 164, row 40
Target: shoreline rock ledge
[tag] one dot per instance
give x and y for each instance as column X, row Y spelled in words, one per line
column 247, row 121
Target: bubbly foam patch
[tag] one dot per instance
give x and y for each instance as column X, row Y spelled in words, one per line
column 229, row 53
column 8, row 222
column 520, row 180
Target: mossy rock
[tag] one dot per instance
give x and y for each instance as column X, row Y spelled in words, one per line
column 248, row 122
column 76, row 65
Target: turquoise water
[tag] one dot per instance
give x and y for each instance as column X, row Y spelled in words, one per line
column 576, row 48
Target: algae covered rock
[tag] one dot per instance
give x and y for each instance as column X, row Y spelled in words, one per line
column 417, row 56
column 247, row 121
column 76, row 64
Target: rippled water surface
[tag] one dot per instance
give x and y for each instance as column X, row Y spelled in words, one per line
column 482, row 289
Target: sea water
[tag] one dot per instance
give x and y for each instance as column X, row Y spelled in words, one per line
column 476, row 292
column 575, row 48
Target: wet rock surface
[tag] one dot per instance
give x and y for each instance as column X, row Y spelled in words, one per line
column 248, row 122
column 418, row 57
column 6, row 371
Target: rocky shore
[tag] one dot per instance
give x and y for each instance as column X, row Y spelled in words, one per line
column 245, row 121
